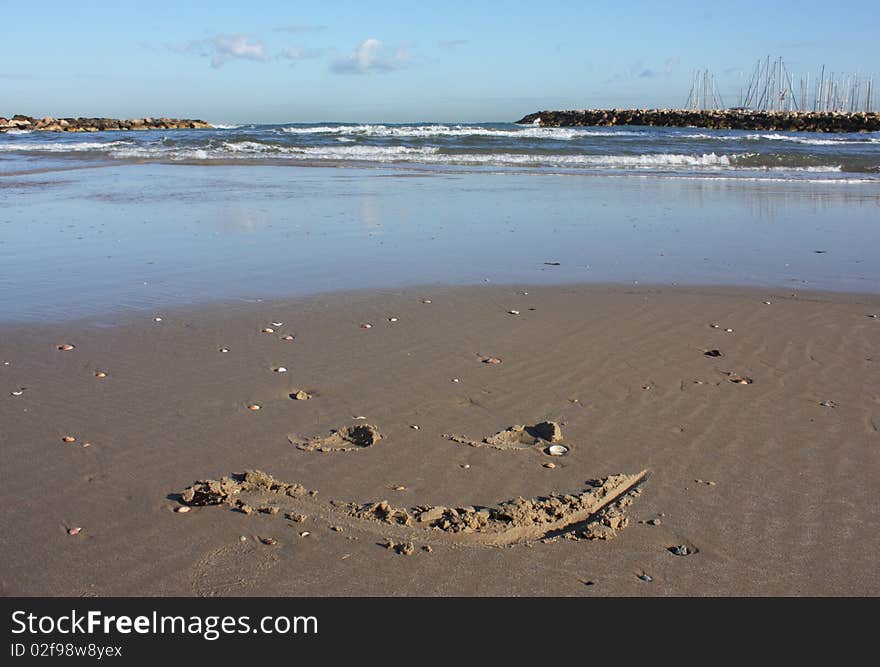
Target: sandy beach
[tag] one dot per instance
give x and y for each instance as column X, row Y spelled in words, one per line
column 761, row 457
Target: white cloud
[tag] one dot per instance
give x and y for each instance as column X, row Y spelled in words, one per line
column 296, row 53
column 370, row 56
column 223, row 48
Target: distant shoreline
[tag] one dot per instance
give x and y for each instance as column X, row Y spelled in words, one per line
column 729, row 119
column 49, row 124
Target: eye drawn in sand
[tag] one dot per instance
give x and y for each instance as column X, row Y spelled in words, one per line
column 345, row 439
column 598, row 511
column 518, row 437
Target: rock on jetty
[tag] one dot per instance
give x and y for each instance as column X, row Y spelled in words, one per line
column 728, row 119
column 49, row 124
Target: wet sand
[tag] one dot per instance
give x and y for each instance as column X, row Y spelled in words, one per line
column 770, row 485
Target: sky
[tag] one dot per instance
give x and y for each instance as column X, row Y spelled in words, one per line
column 266, row 62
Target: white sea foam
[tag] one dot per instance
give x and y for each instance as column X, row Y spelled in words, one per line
column 793, row 178
column 805, row 140
column 61, row 146
column 431, row 155
column 813, row 141
column 821, row 169
column 253, row 149
column 658, row 162
column 424, row 131
column 18, row 131
column 344, row 149
column 221, row 126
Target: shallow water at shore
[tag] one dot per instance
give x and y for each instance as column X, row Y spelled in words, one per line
column 78, row 242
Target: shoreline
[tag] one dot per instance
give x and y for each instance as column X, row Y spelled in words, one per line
column 738, row 474
column 346, row 296
column 728, row 119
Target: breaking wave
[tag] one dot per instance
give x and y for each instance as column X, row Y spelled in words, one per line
column 666, row 151
column 61, row 146
column 808, row 141
column 425, row 131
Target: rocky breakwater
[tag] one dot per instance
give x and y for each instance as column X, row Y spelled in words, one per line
column 724, row 119
column 48, row 124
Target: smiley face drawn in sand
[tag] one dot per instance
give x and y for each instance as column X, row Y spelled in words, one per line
column 595, row 512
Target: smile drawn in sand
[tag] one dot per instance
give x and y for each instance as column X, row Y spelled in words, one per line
column 598, row 511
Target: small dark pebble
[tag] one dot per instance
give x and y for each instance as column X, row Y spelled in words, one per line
column 645, row 577
column 713, row 353
column 680, row 550
column 553, row 263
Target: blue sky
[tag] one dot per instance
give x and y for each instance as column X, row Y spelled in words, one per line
column 405, row 61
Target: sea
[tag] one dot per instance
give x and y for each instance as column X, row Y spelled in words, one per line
column 456, row 147
column 119, row 222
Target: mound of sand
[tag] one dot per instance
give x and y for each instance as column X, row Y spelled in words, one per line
column 346, row 439
column 517, row 436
